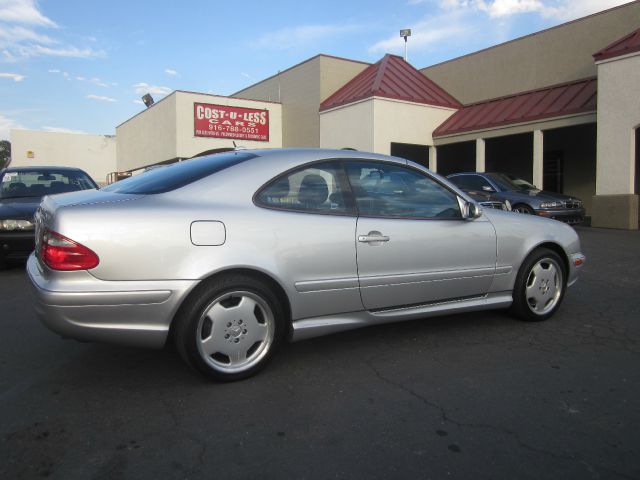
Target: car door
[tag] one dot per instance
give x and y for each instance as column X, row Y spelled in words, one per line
column 413, row 244
column 310, row 223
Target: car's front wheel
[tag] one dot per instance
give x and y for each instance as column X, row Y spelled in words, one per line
column 522, row 208
column 230, row 327
column 540, row 286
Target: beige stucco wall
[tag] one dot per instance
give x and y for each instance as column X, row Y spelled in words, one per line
column 350, row 126
column 166, row 130
column 371, row 125
column 618, row 117
column 95, row 154
column 556, row 55
column 300, row 89
column 149, row 137
column 188, row 145
column 405, row 122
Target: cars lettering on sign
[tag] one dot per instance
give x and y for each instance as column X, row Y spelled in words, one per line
column 221, row 121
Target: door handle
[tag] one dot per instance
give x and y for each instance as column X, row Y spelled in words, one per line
column 373, row 237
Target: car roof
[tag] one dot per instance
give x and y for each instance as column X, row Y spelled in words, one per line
column 31, row 168
column 306, row 155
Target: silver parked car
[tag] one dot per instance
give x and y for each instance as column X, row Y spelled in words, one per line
column 231, row 254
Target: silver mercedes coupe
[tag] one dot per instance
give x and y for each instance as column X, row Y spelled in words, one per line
column 229, row 255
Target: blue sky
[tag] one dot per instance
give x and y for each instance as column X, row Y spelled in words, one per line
column 82, row 65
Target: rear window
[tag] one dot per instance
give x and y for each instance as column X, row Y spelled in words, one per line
column 38, row 183
column 166, row 179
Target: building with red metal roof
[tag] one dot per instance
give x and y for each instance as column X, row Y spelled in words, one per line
column 391, row 78
column 625, row 46
column 559, row 108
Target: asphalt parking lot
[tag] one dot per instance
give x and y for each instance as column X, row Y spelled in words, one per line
column 466, row 396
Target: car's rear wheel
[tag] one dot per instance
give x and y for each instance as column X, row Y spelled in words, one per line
column 540, row 286
column 522, row 208
column 230, row 327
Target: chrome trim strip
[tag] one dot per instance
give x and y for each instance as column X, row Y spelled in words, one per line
column 501, row 270
column 87, row 299
column 329, row 284
column 380, row 280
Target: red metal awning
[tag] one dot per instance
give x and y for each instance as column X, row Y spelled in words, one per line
column 627, row 44
column 555, row 101
column 394, row 78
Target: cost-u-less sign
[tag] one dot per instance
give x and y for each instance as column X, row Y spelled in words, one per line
column 221, row 121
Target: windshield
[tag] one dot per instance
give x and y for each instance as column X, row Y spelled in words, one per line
column 522, row 183
column 506, row 181
column 38, row 183
column 171, row 177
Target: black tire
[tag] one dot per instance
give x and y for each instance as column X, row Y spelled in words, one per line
column 540, row 286
column 523, row 208
column 229, row 327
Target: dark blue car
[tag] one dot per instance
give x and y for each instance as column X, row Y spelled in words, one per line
column 21, row 189
column 523, row 196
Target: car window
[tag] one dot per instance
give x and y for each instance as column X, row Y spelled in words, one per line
column 172, row 177
column 38, row 183
column 504, row 182
column 382, row 189
column 470, row 182
column 522, row 183
column 315, row 188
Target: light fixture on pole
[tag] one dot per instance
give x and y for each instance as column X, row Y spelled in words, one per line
column 147, row 99
column 405, row 33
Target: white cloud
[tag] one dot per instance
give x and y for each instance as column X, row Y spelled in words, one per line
column 501, row 8
column 101, row 98
column 20, row 37
column 559, row 9
column 565, row 10
column 7, row 124
column 16, row 77
column 245, row 75
column 142, row 88
column 139, row 102
column 425, row 34
column 68, row 52
column 61, row 130
column 81, row 79
column 288, row 38
column 99, row 83
column 23, row 11
column 171, row 71
column 15, row 35
column 54, row 70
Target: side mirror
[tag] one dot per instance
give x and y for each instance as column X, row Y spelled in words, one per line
column 470, row 210
column 488, row 189
column 474, row 211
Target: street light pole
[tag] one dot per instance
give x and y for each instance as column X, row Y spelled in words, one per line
column 405, row 33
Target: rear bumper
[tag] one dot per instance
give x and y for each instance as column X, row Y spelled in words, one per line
column 78, row 305
column 16, row 246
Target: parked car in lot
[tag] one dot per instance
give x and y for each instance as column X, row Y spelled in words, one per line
column 230, row 254
column 522, row 195
column 486, row 200
column 21, row 189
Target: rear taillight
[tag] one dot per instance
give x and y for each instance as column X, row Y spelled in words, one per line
column 62, row 253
